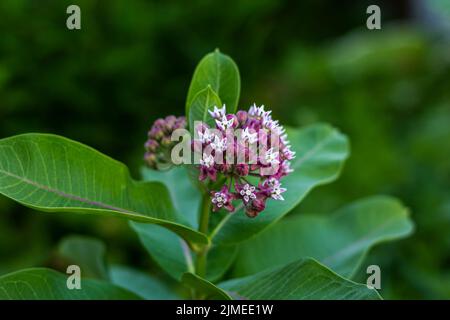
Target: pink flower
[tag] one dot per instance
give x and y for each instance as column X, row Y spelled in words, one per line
column 222, row 199
column 207, row 169
column 249, row 136
column 242, row 169
column 260, row 159
column 206, row 173
column 226, row 122
column 205, row 136
column 246, row 192
column 272, row 188
column 218, row 113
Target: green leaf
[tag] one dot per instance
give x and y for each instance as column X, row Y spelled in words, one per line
column 203, row 101
column 55, row 174
column 166, row 248
column 321, row 152
column 219, row 260
column 185, row 197
column 208, row 290
column 178, row 259
column 218, row 71
column 300, row 280
column 174, row 256
column 340, row 241
column 140, row 283
column 47, row 284
column 88, row 253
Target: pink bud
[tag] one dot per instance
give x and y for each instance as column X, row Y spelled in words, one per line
column 150, row 159
column 151, row 145
column 159, row 123
column 165, row 141
column 242, row 169
column 242, row 117
column 255, row 207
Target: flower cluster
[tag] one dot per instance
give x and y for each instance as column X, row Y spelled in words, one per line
column 159, row 141
column 251, row 163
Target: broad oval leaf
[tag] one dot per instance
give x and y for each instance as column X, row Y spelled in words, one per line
column 89, row 254
column 170, row 251
column 86, row 252
column 300, row 280
column 203, row 101
column 340, row 241
column 218, row 71
column 185, row 196
column 219, row 260
column 140, row 283
column 47, row 284
column 55, row 174
column 321, row 152
column 174, row 256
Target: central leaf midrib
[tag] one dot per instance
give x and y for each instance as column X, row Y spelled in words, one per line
column 68, row 195
column 205, row 110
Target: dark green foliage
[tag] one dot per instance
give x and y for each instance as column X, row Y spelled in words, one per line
column 388, row 91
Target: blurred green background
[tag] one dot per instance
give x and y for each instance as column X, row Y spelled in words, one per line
column 309, row 61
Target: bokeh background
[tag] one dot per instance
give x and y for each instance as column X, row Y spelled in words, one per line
column 309, row 61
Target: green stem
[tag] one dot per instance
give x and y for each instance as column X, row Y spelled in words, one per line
column 205, row 210
column 204, row 213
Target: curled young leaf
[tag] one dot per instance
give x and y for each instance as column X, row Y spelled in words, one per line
column 218, row 71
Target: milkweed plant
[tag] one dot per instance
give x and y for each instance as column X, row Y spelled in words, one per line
column 210, row 209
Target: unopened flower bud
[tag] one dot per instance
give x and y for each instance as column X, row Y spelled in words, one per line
column 150, row 159
column 170, row 123
column 151, row 145
column 160, row 141
column 166, row 141
column 242, row 117
column 242, row 169
column 159, row 123
column 156, row 133
column 255, row 207
column 180, row 123
column 225, row 168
